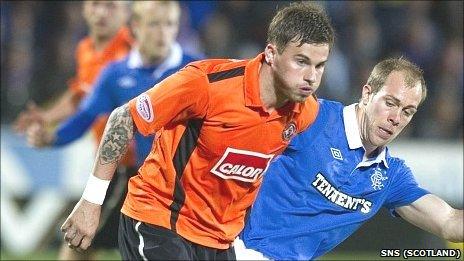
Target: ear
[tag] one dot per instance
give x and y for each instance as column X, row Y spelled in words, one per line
column 269, row 53
column 134, row 24
column 366, row 93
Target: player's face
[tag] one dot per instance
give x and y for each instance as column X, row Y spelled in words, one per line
column 104, row 18
column 298, row 70
column 157, row 29
column 388, row 111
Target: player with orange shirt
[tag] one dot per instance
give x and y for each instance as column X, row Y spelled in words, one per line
column 218, row 124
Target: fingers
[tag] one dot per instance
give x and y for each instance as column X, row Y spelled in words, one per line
column 31, row 114
column 21, row 122
column 37, row 135
column 34, row 135
column 65, row 226
column 76, row 241
column 70, row 234
column 81, row 225
column 85, row 243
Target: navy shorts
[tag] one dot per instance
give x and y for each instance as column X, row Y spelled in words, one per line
column 142, row 241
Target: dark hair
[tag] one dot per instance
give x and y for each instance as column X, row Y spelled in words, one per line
column 300, row 22
column 412, row 74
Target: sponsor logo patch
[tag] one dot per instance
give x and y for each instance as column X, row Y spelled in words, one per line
column 241, row 165
column 289, row 131
column 144, row 108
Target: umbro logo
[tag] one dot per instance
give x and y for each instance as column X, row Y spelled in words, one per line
column 336, row 154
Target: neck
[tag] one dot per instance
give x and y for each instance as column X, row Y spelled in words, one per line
column 361, row 120
column 99, row 41
column 268, row 91
column 149, row 60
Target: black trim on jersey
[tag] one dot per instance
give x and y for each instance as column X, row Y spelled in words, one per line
column 218, row 76
column 186, row 145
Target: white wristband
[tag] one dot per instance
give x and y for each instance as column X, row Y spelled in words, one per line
column 95, row 190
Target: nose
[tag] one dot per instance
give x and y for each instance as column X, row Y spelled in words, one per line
column 394, row 117
column 310, row 75
column 101, row 9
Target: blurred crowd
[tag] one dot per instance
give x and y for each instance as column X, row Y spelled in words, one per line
column 38, row 39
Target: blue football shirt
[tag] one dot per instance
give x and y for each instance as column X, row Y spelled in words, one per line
column 119, row 82
column 322, row 188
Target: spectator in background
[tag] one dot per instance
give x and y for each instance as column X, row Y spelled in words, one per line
column 155, row 56
column 109, row 39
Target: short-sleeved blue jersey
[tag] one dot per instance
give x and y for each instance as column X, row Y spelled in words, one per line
column 322, row 188
column 118, row 83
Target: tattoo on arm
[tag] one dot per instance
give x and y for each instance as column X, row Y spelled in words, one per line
column 118, row 134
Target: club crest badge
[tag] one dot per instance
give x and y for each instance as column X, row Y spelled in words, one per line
column 289, row 131
column 377, row 178
column 144, row 108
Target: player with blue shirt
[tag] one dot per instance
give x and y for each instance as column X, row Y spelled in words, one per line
column 338, row 173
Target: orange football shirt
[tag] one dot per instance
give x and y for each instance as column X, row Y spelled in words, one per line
column 214, row 143
column 90, row 62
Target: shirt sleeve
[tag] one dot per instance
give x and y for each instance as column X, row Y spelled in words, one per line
column 100, row 99
column 404, row 190
column 179, row 97
column 98, row 102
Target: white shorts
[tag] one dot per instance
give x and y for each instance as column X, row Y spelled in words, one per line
column 243, row 253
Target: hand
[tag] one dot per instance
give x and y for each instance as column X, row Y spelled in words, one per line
column 31, row 114
column 38, row 136
column 81, row 225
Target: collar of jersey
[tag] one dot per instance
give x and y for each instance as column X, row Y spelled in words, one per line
column 251, row 80
column 173, row 60
column 354, row 137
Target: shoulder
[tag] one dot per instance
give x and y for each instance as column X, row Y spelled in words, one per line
column 329, row 106
column 188, row 58
column 328, row 120
column 116, row 67
column 329, row 112
column 395, row 163
column 84, row 47
column 209, row 66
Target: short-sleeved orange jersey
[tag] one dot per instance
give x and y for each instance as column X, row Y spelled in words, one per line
column 90, row 62
column 214, row 143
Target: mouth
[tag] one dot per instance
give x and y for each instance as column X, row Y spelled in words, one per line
column 385, row 133
column 307, row 91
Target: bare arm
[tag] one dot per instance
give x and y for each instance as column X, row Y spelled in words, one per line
column 434, row 215
column 118, row 134
column 62, row 109
column 82, row 223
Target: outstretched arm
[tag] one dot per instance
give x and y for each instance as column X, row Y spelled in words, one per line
column 82, row 223
column 434, row 215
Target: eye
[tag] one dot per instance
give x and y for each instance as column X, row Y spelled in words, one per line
column 320, row 66
column 301, row 62
column 389, row 103
column 408, row 113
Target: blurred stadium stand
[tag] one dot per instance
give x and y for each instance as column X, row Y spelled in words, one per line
column 37, row 57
